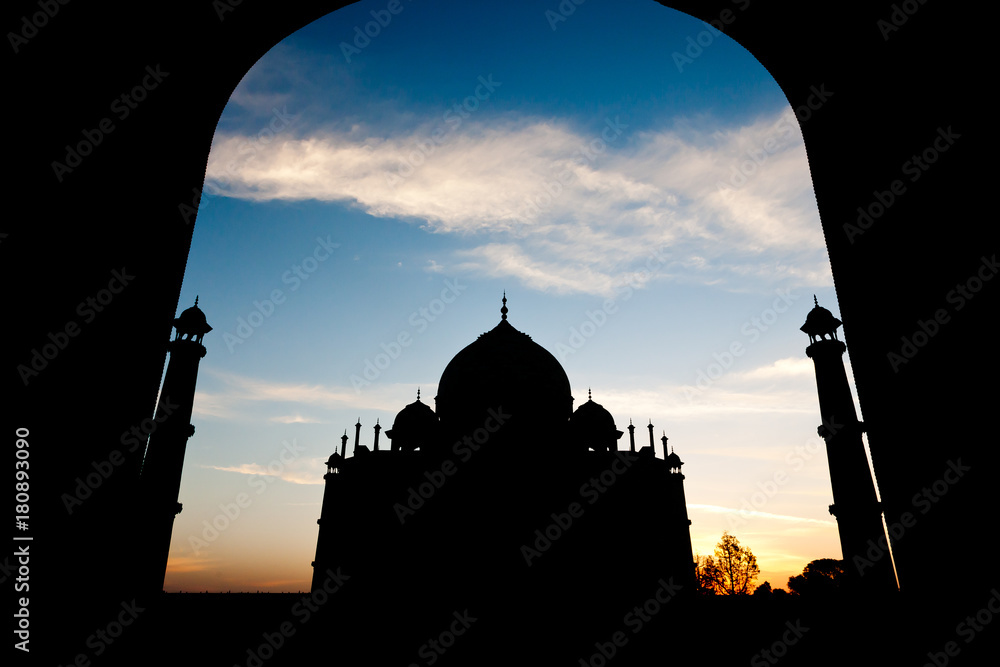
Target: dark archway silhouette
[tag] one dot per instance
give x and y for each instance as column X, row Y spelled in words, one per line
column 894, row 93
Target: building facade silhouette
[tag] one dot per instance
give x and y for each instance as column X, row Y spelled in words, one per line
column 501, row 498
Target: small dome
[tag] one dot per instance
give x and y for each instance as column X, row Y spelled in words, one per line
column 192, row 322
column 674, row 461
column 415, row 426
column 334, row 461
column 820, row 322
column 593, row 427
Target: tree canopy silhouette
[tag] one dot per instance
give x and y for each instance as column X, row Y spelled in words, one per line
column 820, row 577
column 732, row 570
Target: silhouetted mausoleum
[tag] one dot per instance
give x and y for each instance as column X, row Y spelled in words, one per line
column 501, row 498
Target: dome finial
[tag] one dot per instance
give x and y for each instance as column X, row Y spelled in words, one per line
column 503, row 309
column 418, row 393
column 815, row 301
column 196, row 302
column 589, row 397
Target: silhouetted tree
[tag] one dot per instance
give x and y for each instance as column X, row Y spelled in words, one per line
column 705, row 574
column 821, row 577
column 763, row 591
column 733, row 569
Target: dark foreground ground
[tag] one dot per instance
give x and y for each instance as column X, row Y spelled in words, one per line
column 254, row 630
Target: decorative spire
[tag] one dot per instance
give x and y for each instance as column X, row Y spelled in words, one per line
column 589, row 397
column 503, row 309
column 631, row 435
column 418, row 394
column 196, row 302
column 650, row 427
column 378, row 427
column 815, row 301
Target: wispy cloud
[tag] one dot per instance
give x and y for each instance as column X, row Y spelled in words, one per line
column 788, row 390
column 188, row 564
column 237, row 396
column 740, row 395
column 782, row 369
column 295, row 419
column 716, row 509
column 309, row 471
column 535, row 203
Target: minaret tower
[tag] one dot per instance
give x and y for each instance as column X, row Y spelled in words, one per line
column 676, row 518
column 859, row 515
column 160, row 476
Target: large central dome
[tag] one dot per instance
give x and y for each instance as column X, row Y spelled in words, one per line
column 505, row 369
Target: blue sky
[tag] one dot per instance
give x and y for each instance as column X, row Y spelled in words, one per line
column 648, row 216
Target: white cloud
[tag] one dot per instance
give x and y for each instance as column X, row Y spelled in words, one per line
column 716, row 509
column 689, row 403
column 789, row 367
column 295, row 419
column 305, row 472
column 537, row 204
column 247, row 398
